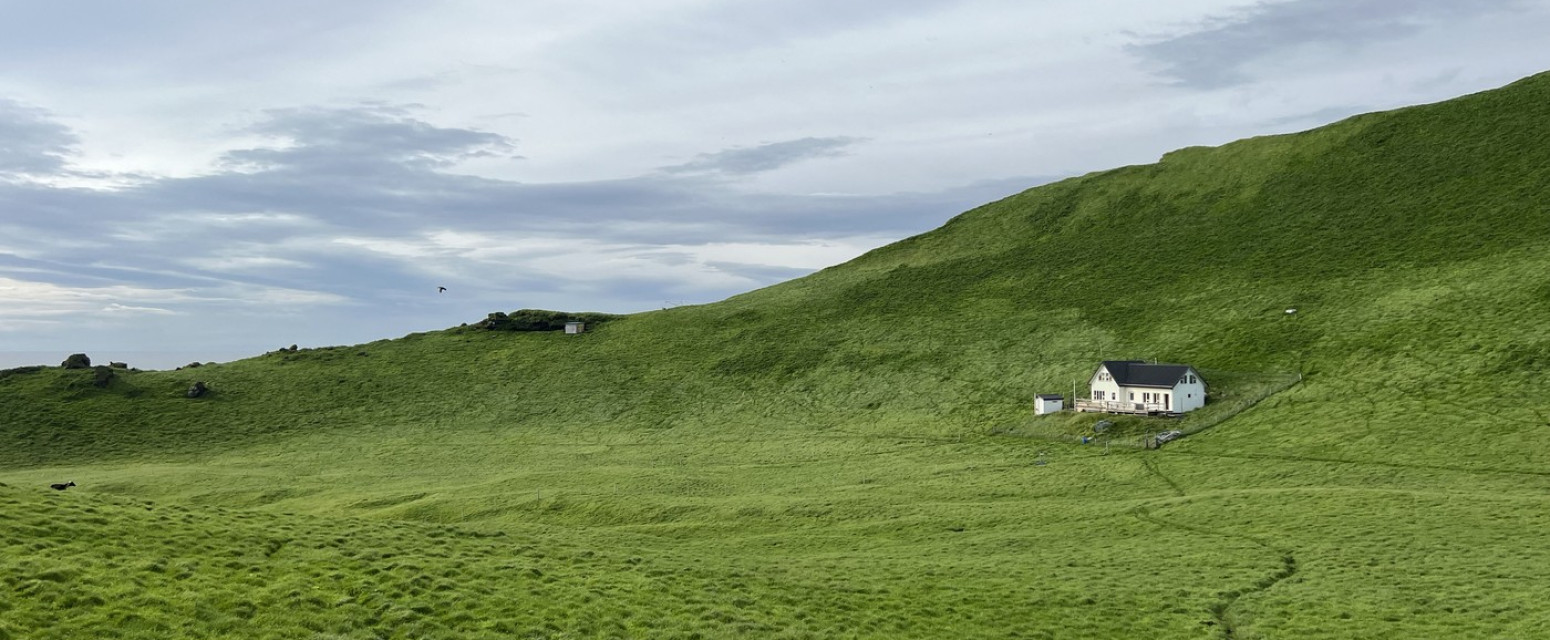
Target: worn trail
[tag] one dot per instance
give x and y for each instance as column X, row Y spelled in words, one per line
column 1222, row 610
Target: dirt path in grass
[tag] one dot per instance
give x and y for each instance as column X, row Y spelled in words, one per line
column 1222, row 610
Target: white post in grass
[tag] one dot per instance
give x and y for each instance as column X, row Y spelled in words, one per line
column 1291, row 312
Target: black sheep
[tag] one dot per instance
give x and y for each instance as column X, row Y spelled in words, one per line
column 62, row 487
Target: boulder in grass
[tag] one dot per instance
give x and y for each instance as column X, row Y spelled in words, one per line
column 119, row 365
column 101, row 376
column 76, row 361
column 198, row 390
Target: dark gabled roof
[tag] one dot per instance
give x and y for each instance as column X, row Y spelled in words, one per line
column 1051, row 396
column 1139, row 373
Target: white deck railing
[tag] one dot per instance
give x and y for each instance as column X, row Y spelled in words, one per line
column 1120, row 406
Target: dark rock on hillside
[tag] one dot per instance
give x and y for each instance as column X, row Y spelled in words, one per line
column 119, row 365
column 198, row 390
column 76, row 361
column 101, row 376
column 539, row 320
column 6, row 373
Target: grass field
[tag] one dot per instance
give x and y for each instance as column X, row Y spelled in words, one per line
column 851, row 454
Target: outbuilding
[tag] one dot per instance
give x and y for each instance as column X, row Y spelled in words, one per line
column 1048, row 403
column 1137, row 386
column 574, row 327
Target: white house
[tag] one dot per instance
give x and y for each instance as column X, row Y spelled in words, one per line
column 574, row 327
column 1135, row 386
column 1048, row 403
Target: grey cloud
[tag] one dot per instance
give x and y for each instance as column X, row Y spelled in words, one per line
column 378, row 173
column 427, row 82
column 748, row 24
column 31, row 142
column 90, row 274
column 369, row 137
column 101, row 42
column 371, row 163
column 765, row 157
column 705, row 31
column 462, row 74
column 1216, row 54
column 1319, row 117
column 38, row 211
column 671, row 258
column 377, row 170
column 1440, row 81
column 669, row 210
column 759, row 273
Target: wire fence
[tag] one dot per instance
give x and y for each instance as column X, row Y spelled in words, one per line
column 1225, row 407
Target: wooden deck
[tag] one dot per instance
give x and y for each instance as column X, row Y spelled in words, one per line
column 1121, row 406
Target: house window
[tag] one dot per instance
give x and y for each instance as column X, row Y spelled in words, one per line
column 1097, row 395
column 1132, row 396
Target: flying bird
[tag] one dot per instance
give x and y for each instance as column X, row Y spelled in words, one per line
column 441, row 289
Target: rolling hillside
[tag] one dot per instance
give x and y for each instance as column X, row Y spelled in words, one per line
column 851, row 454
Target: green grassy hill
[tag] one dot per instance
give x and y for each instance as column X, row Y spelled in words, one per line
column 852, row 454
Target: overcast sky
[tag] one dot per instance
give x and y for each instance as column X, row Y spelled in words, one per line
column 205, row 181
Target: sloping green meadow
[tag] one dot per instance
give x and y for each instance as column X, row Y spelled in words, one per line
column 852, row 454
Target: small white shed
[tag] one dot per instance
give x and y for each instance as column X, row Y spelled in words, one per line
column 1048, row 403
column 574, row 327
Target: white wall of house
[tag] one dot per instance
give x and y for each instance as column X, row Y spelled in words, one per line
column 1140, row 395
column 1190, row 396
column 1104, row 389
column 1184, row 396
column 1152, row 397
